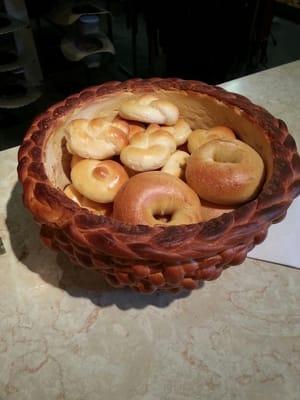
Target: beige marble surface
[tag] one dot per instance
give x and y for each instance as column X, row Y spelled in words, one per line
column 66, row 335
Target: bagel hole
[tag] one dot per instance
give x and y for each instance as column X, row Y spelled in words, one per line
column 232, row 157
column 163, row 218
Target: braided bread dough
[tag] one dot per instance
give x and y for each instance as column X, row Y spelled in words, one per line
column 149, row 150
column 97, row 138
column 149, row 108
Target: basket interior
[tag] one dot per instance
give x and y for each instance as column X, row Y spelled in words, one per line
column 200, row 110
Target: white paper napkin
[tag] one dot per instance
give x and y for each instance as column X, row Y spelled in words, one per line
column 282, row 244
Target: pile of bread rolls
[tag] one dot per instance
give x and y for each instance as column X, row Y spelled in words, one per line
column 147, row 166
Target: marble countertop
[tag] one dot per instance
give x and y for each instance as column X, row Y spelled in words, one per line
column 65, row 335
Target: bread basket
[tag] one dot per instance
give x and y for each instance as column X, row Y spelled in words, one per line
column 156, row 258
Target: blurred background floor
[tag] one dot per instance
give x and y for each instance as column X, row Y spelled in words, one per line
column 62, row 77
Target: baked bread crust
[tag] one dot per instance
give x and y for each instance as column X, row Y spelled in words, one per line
column 149, row 258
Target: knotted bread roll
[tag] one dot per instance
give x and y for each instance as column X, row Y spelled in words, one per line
column 98, row 138
column 149, row 150
column 150, row 109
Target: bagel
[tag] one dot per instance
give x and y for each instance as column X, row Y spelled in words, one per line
column 149, row 150
column 97, row 138
column 201, row 136
column 98, row 180
column 150, row 109
column 176, row 164
column 157, row 198
column 225, row 172
column 97, row 208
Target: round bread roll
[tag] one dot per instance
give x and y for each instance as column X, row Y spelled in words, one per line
column 176, row 164
column 201, row 136
column 211, row 210
column 97, row 208
column 97, row 138
column 225, row 172
column 99, row 181
column 157, row 198
column 150, row 109
column 149, row 150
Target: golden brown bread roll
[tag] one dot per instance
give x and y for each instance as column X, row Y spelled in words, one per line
column 97, row 138
column 157, row 198
column 150, row 109
column 225, row 172
column 99, row 181
column 149, row 150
